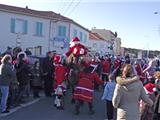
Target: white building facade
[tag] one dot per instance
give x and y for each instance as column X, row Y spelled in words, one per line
column 24, row 31
column 40, row 31
column 97, row 44
column 110, row 36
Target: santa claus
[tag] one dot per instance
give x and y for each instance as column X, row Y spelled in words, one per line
column 76, row 50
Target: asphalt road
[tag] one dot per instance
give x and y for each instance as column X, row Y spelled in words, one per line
column 43, row 109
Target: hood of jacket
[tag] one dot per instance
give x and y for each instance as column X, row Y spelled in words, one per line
column 128, row 83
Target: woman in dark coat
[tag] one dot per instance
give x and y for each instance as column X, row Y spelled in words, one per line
column 23, row 72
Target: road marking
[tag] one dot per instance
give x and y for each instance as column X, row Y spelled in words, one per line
column 21, row 106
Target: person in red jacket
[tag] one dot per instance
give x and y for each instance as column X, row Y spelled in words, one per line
column 85, row 88
column 106, row 69
column 60, row 77
column 76, row 50
column 139, row 71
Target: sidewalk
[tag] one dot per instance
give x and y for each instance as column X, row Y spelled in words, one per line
column 28, row 101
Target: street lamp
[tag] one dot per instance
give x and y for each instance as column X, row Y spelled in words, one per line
column 18, row 40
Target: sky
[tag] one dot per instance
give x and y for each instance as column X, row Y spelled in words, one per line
column 133, row 20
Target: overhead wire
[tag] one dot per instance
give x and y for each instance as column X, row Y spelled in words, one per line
column 68, row 7
column 71, row 11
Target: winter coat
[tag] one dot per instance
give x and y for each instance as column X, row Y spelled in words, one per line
column 48, row 67
column 126, row 98
column 84, row 89
column 23, row 71
column 7, row 74
column 106, row 66
column 36, row 81
column 60, row 74
column 109, row 90
column 157, row 101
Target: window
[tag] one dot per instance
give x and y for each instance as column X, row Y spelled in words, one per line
column 38, row 50
column 85, row 38
column 19, row 26
column 62, row 31
column 39, row 28
column 81, row 36
column 74, row 33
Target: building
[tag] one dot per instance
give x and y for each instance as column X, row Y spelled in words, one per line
column 40, row 31
column 112, row 37
column 96, row 43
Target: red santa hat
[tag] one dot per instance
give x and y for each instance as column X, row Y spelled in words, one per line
column 74, row 41
column 149, row 88
column 57, row 59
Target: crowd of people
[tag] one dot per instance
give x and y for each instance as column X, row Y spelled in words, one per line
column 130, row 87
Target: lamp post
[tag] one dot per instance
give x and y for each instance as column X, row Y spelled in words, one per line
column 18, row 40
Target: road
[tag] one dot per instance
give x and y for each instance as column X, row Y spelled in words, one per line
column 43, row 109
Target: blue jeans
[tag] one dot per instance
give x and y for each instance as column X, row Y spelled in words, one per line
column 5, row 92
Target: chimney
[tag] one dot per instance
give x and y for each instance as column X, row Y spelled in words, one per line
column 26, row 7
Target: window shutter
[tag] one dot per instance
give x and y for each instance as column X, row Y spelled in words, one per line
column 37, row 28
column 12, row 25
column 40, row 29
column 64, row 31
column 81, row 36
column 25, row 27
column 59, row 31
column 75, row 33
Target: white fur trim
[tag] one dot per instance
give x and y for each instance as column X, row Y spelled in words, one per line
column 25, row 56
column 82, row 88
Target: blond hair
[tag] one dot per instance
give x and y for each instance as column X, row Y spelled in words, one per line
column 6, row 58
column 157, row 74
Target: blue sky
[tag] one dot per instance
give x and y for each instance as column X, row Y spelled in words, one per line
column 134, row 21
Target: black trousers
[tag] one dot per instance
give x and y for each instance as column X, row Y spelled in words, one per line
column 110, row 109
column 36, row 90
column 79, row 103
column 48, row 85
column 105, row 77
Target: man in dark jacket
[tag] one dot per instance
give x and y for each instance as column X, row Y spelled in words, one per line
column 48, row 70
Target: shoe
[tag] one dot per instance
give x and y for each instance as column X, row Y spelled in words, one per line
column 91, row 112
column 76, row 112
column 73, row 101
column 6, row 111
column 60, row 108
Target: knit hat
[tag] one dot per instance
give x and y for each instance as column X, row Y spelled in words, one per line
column 149, row 88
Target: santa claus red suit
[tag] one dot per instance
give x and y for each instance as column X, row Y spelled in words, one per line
column 76, row 48
column 117, row 63
column 106, row 69
column 139, row 71
column 60, row 72
column 85, row 87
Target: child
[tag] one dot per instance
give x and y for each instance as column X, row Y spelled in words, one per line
column 108, row 94
column 60, row 87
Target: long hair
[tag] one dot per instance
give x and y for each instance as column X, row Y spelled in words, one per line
column 128, row 71
column 6, row 58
